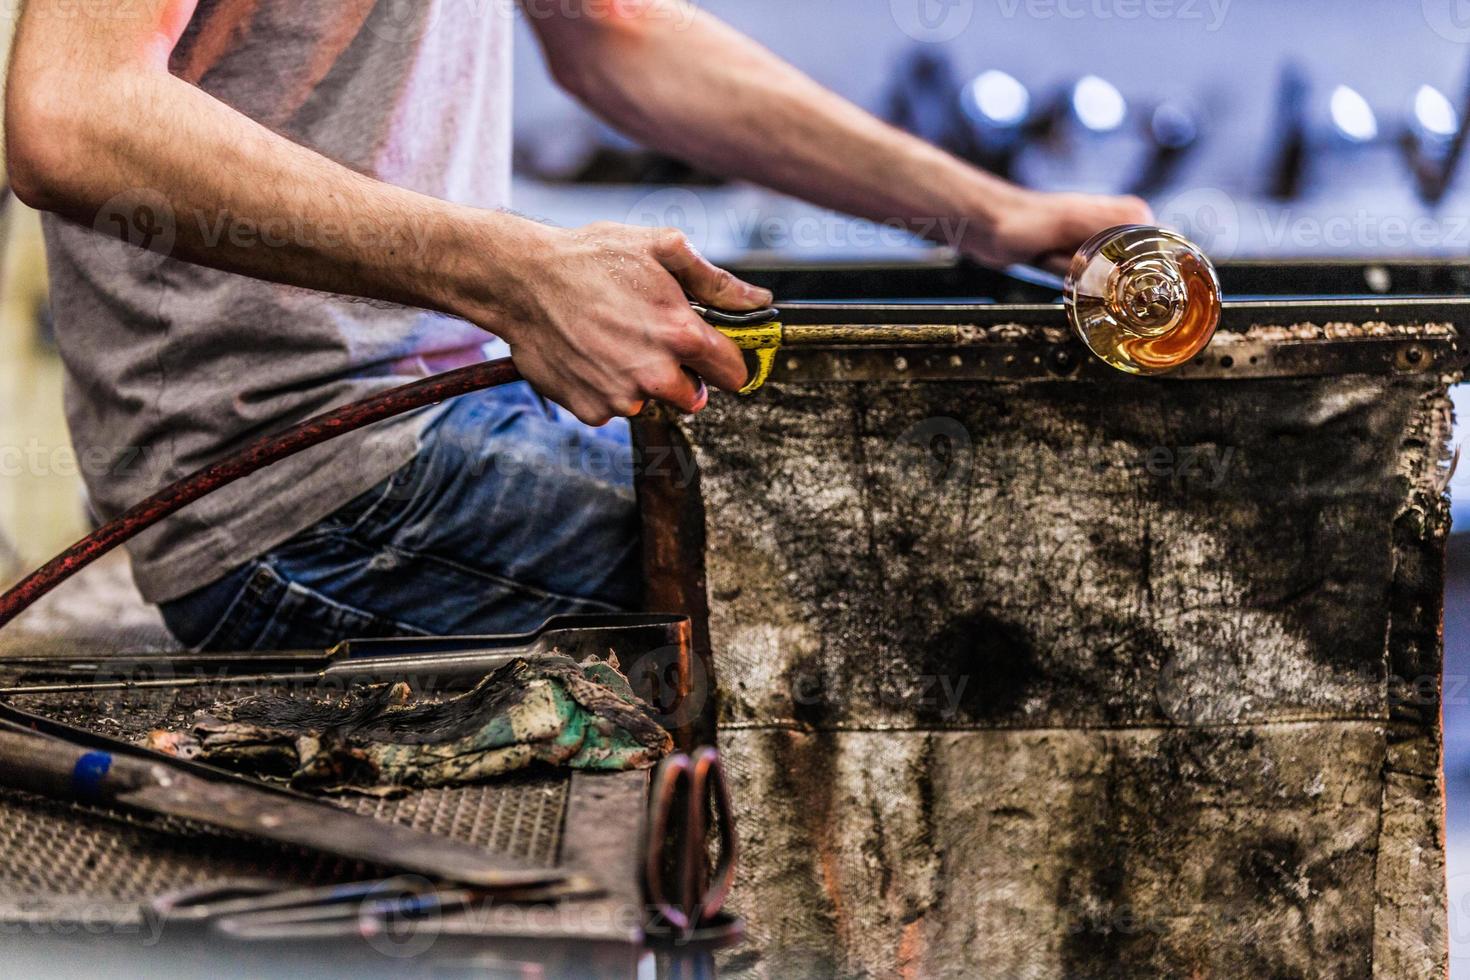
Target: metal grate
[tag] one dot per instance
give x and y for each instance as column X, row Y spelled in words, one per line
column 62, row 861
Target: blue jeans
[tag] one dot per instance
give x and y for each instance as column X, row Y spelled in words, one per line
column 511, row 512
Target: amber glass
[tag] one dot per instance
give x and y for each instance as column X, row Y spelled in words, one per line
column 1144, row 299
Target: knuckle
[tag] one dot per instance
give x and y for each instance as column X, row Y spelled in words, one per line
column 649, row 381
column 588, row 411
column 723, row 279
column 687, row 339
column 670, row 240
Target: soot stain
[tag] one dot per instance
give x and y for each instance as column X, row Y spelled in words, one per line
column 981, row 668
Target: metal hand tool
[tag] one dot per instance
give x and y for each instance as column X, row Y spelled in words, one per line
column 765, row 333
column 100, row 770
column 1036, row 276
column 261, row 909
column 447, row 662
column 246, row 908
column 687, row 790
column 1146, row 302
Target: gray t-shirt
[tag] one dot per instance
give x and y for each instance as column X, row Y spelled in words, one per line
column 170, row 365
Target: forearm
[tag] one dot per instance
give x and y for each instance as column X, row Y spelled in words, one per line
column 234, row 195
column 705, row 93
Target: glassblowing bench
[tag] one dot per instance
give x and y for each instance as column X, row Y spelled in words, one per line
column 1023, row 666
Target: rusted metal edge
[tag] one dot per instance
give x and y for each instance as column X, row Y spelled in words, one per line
column 1277, row 346
column 1410, row 922
column 1236, row 315
column 673, row 539
column 1069, row 360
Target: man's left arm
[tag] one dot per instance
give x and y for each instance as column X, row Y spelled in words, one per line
column 680, row 81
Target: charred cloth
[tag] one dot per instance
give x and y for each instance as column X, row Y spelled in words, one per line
column 381, row 738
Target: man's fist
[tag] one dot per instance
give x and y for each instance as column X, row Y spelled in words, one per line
column 599, row 321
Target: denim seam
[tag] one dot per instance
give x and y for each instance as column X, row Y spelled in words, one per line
column 502, row 581
column 343, row 536
column 270, row 623
column 325, row 600
column 389, row 485
column 235, row 600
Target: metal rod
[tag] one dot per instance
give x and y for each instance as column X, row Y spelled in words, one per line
column 862, row 334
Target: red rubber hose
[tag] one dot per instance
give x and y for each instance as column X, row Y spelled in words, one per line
column 256, row 456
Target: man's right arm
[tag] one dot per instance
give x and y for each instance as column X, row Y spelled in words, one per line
column 595, row 317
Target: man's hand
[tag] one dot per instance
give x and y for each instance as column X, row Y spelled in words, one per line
column 1047, row 228
column 598, row 320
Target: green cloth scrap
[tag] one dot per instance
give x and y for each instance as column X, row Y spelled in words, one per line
column 380, row 739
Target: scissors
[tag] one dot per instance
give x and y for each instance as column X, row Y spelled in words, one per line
column 687, row 895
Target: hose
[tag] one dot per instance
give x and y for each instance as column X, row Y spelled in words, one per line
column 258, row 455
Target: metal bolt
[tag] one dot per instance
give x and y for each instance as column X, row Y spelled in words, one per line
column 1061, row 360
column 1412, row 358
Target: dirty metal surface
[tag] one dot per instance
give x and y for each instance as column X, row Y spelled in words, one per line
column 1061, row 678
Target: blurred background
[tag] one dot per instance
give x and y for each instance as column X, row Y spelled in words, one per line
column 1260, row 128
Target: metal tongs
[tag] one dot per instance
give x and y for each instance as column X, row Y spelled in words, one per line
column 267, row 910
column 446, row 663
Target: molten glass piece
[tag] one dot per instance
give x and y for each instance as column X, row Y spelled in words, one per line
column 1145, row 300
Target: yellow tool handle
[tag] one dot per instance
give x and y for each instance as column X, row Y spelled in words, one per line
column 765, row 340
